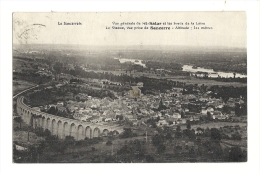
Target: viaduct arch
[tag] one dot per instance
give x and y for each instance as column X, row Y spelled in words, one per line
column 61, row 126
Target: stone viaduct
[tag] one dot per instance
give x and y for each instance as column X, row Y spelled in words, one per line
column 61, row 126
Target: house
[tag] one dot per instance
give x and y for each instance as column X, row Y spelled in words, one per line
column 196, row 118
column 218, row 115
column 210, row 109
column 198, row 132
column 140, row 84
column 162, row 122
column 176, row 115
column 37, row 109
column 190, row 144
column 204, row 111
column 186, row 110
column 59, row 85
column 73, row 108
column 182, row 121
column 60, row 103
column 203, row 99
column 81, row 96
column 108, row 113
column 232, row 113
column 135, row 92
column 108, row 119
column 69, row 95
column 49, row 87
column 20, row 148
column 61, row 108
column 220, row 106
column 130, row 117
column 52, row 105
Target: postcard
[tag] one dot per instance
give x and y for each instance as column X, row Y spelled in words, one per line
column 129, row 87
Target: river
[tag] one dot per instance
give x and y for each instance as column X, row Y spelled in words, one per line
column 135, row 61
column 211, row 72
column 188, row 68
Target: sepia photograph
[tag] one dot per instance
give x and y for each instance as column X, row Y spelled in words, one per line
column 129, row 87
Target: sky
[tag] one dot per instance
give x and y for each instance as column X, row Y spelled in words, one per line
column 229, row 29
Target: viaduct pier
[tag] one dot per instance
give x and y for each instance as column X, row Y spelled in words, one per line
column 61, row 126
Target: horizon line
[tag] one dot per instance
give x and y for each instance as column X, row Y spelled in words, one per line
column 119, row 45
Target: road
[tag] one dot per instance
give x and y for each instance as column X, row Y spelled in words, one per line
column 24, row 91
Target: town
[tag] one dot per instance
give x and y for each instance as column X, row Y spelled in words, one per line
column 146, row 113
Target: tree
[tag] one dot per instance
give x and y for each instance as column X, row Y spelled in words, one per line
column 207, row 132
column 167, row 132
column 52, row 110
column 109, row 159
column 14, row 150
column 225, row 98
column 108, row 143
column 58, row 67
column 237, row 109
column 69, row 140
column 157, row 140
column 33, row 152
column 40, row 82
column 60, row 146
column 178, row 128
column 200, row 129
column 215, row 134
column 47, row 132
column 132, row 150
column 226, row 109
column 188, row 124
column 149, row 159
column 178, row 132
column 41, row 147
column 39, row 131
column 182, row 114
column 161, row 148
column 51, row 140
column 128, row 133
column 237, row 155
column 119, row 117
column 190, row 133
column 214, row 149
column 236, row 136
column 19, row 120
column 209, row 116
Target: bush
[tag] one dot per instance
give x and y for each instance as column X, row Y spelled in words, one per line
column 79, row 143
column 237, row 155
column 128, row 133
column 89, row 141
column 47, row 132
column 161, row 148
column 40, row 132
column 108, row 143
column 236, row 136
column 60, row 147
column 149, row 159
column 215, row 134
column 69, row 140
column 109, row 159
column 51, row 139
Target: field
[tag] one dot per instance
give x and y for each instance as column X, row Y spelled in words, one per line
column 186, row 79
column 216, row 125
